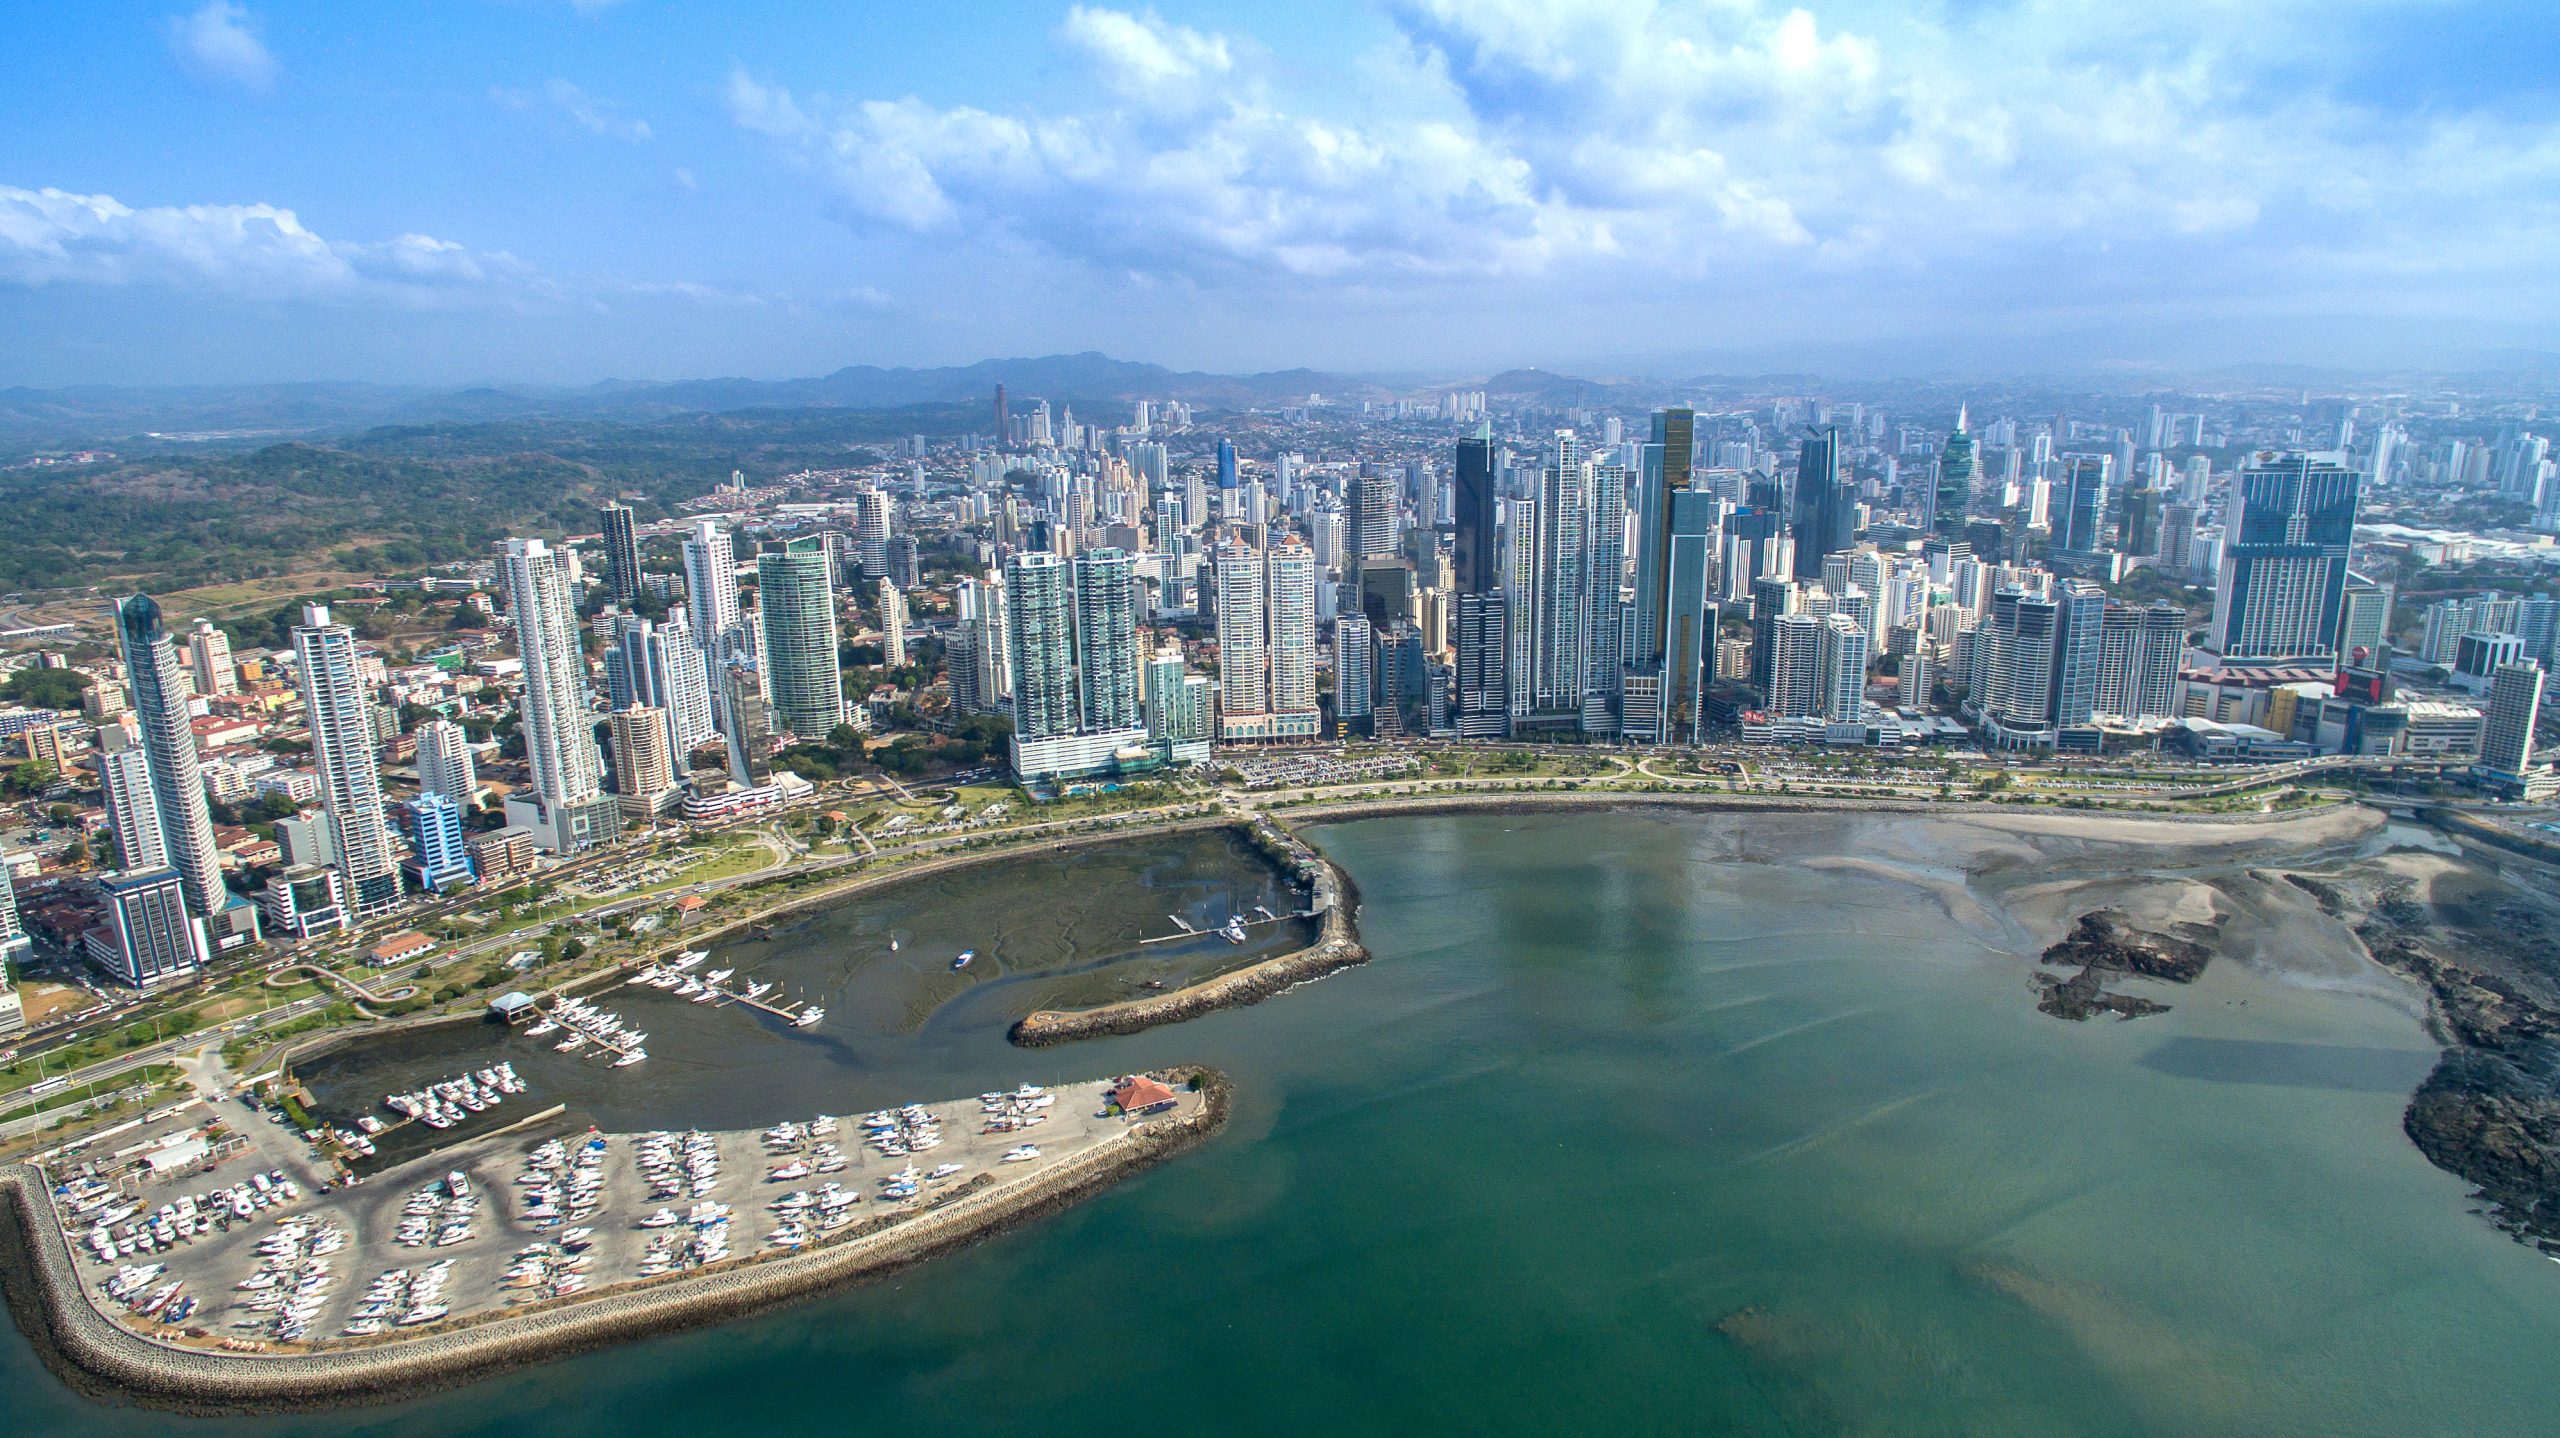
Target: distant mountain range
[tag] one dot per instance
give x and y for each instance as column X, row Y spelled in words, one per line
column 103, row 414
column 109, row 416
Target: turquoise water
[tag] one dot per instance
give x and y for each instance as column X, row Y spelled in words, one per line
column 1642, row 1124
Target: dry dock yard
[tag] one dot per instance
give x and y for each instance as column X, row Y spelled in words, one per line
column 540, row 1221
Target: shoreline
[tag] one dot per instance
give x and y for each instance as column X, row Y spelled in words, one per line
column 99, row 1358
column 824, row 895
column 1339, row 946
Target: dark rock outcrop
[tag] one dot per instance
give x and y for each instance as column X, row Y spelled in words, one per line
column 2104, row 940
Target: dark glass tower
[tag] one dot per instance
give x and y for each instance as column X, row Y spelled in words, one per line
column 1826, row 513
column 1955, row 482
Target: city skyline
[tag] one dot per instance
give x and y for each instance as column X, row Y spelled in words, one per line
column 550, row 192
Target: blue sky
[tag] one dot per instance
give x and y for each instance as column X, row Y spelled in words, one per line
column 554, row 191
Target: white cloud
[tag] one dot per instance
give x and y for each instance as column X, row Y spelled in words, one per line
column 591, row 113
column 1143, row 59
column 1702, row 141
column 219, row 42
column 54, row 237
column 592, row 8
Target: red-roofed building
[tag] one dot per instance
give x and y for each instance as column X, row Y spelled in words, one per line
column 1139, row 1094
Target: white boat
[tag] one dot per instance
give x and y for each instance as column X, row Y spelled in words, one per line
column 663, row 1218
column 962, row 962
column 717, row 976
column 633, row 1057
column 808, row 1018
column 571, row 1044
column 1023, row 1154
column 546, row 1026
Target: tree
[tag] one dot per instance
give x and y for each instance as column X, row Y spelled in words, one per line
column 30, row 777
column 46, row 688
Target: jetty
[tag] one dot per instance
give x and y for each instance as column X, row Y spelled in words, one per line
column 1183, row 930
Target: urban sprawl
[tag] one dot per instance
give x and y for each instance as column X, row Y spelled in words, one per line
column 2203, row 581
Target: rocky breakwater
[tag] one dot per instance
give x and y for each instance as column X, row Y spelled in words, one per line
column 1245, row 986
column 1337, row 947
column 2105, row 942
column 43, row 1287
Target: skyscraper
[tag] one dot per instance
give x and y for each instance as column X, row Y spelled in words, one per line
column 1107, row 639
column 334, row 700
column 1040, row 623
column 133, row 813
column 209, row 656
column 1662, row 470
column 2077, row 528
column 1066, row 634
column 711, row 591
column 162, row 720
column 444, row 763
column 1952, row 500
column 2281, row 593
column 1826, row 509
column 746, row 723
column 621, row 554
column 644, row 775
column 873, row 521
column 2139, row 650
column 1484, row 685
column 893, row 624
column 1355, row 673
column 1244, row 683
column 658, row 666
column 2515, row 700
column 1290, row 574
column 14, row 944
column 1379, row 516
column 796, row 598
column 1178, row 704
column 1477, row 522
column 566, row 809
column 1226, row 464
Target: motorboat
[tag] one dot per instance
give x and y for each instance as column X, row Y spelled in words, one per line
column 1022, row 1154
column 962, row 962
column 808, row 1017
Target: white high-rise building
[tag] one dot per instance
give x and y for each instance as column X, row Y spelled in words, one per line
column 567, row 809
column 124, row 772
column 334, row 700
column 711, row 591
column 209, row 656
column 871, row 523
column 1292, row 573
column 1244, row 693
column 445, row 765
column 893, row 625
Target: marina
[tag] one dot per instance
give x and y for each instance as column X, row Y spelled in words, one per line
column 511, row 1223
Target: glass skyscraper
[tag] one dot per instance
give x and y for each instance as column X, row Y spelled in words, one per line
column 796, row 599
column 2282, row 589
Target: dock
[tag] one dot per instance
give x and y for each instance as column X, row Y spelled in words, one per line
column 787, row 1010
column 1186, row 931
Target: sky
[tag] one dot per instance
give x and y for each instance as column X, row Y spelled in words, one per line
column 565, row 191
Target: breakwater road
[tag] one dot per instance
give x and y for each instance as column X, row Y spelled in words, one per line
column 517, row 1285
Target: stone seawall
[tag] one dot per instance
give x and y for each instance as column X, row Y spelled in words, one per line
column 41, row 1282
column 1337, row 947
